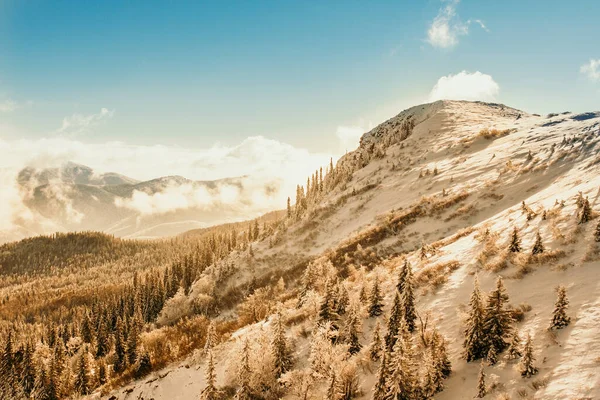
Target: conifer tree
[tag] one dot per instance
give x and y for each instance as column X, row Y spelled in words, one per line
column 244, row 374
column 332, row 387
column 57, row 366
column 211, row 337
column 282, row 356
column 481, row 388
column 526, row 366
column 514, row 348
column 82, row 377
column 375, row 300
column 381, row 385
column 475, row 337
column 132, row 341
column 353, row 327
column 342, row 299
column 120, row 350
column 327, row 310
column 586, row 212
column 402, row 276
column 560, row 319
column 492, row 355
column 515, row 242
column 408, row 301
column 597, row 233
column 143, row 363
column 7, row 362
column 289, row 208
column 438, row 346
column 376, row 345
column 498, row 320
column 102, row 372
column 402, row 382
column 393, row 325
column 210, row 391
column 538, row 246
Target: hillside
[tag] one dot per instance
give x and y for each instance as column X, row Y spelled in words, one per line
column 428, row 193
column 454, row 191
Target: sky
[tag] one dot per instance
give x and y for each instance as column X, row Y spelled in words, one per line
column 305, row 77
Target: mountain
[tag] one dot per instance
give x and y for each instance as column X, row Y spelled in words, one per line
column 74, row 198
column 441, row 186
column 459, row 192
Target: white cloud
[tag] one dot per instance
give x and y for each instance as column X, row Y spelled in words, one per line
column 591, row 69
column 349, row 136
column 465, row 86
column 8, row 106
column 446, row 28
column 78, row 123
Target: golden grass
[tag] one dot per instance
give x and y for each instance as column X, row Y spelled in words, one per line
column 493, row 133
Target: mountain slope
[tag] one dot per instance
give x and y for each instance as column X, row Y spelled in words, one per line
column 441, row 185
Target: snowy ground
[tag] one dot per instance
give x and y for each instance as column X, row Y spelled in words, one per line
column 542, row 162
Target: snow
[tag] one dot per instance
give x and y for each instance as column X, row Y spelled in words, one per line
column 499, row 176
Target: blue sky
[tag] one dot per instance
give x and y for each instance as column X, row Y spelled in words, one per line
column 196, row 73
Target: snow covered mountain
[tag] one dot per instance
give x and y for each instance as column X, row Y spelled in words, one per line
column 442, row 186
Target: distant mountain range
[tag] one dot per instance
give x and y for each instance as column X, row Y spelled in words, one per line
column 73, row 197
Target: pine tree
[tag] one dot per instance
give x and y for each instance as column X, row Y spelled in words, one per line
column 120, row 350
column 515, row 241
column 289, row 208
column 538, row 246
column 143, row 363
column 282, row 356
column 560, row 319
column 475, row 337
column 57, row 366
column 402, row 276
column 408, row 300
column 393, row 325
column 381, row 385
column 586, row 212
column 102, row 372
column 327, row 310
column 82, row 377
column 440, row 352
column 402, row 382
column 210, row 391
column 514, row 348
column 526, row 367
column 375, row 300
column 244, row 374
column 332, row 387
column 342, row 299
column 133, row 337
column 376, row 345
column 498, row 319
column 353, row 328
column 7, row 362
column 211, row 337
column 481, row 388
column 492, row 355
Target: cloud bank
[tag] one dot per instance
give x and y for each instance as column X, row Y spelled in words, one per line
column 78, row 124
column 465, row 86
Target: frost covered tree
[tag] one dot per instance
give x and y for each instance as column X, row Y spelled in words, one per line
column 527, row 367
column 210, row 391
column 82, row 376
column 402, row 382
column 597, row 233
column 515, row 241
column 538, row 246
column 353, row 328
column 475, row 343
column 492, row 355
column 440, row 353
column 481, row 388
column 211, row 337
column 342, row 299
column 244, row 374
column 586, row 212
column 376, row 345
column 327, row 310
column 282, row 356
column 332, row 386
column 381, row 385
column 514, row 347
column 120, row 348
column 407, row 297
column 560, row 319
column 402, row 276
column 375, row 300
column 498, row 320
column 393, row 325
